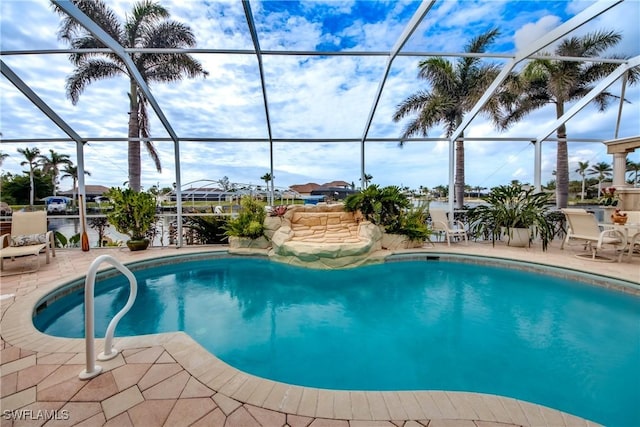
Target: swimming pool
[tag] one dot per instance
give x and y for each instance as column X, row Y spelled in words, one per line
column 411, row 325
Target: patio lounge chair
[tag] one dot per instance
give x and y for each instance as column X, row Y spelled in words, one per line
column 584, row 227
column 29, row 236
column 440, row 223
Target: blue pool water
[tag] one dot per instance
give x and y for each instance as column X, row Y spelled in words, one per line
column 413, row 325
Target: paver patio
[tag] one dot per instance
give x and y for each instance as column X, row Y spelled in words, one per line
column 169, row 379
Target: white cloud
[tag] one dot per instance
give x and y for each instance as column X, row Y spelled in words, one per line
column 309, row 97
column 532, row 32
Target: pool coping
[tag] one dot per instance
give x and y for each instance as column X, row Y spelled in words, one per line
column 18, row 330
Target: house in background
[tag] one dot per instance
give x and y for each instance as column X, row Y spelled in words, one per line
column 334, row 190
column 91, row 191
column 307, row 189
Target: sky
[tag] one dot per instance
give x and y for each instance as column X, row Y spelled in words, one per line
column 321, row 96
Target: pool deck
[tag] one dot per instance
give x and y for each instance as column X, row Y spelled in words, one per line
column 169, row 379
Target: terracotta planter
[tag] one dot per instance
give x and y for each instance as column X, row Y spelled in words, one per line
column 618, row 218
column 138, row 245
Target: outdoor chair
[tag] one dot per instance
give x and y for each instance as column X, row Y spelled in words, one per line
column 440, row 223
column 583, row 226
column 633, row 231
column 29, row 236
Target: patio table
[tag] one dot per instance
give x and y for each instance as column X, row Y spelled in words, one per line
column 631, row 231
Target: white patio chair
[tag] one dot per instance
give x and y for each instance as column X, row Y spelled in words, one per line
column 29, row 236
column 633, row 230
column 583, row 226
column 440, row 223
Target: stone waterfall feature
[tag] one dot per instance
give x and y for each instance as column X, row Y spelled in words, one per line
column 323, row 236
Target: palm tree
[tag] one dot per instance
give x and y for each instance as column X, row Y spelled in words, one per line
column 602, row 170
column 51, row 165
column 441, row 190
column 367, row 180
column 455, row 89
column 267, row 179
column 546, row 81
column 71, row 171
column 148, row 26
column 31, row 154
column 634, row 168
column 2, row 157
column 582, row 170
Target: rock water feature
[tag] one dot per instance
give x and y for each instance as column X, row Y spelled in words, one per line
column 322, row 236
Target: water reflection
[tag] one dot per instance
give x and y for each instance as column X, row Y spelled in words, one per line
column 400, row 326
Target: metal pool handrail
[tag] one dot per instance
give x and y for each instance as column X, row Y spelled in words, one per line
column 109, row 352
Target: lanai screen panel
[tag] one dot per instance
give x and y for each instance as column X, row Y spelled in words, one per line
column 310, row 95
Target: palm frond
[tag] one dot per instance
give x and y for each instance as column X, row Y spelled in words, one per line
column 169, row 34
column 597, row 42
column 146, row 15
column 98, row 11
column 86, row 73
column 412, row 104
column 440, row 73
column 173, row 67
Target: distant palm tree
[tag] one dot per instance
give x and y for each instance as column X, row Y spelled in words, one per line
column 2, row 157
column 267, row 179
column 367, row 180
column 582, row 170
column 455, row 89
column 602, row 170
column 147, row 26
column 51, row 165
column 71, row 171
column 441, row 190
column 634, row 168
column 546, row 81
column 31, row 154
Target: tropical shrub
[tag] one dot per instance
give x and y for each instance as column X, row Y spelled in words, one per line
column 511, row 206
column 207, row 230
column 413, row 223
column 250, row 220
column 389, row 208
column 133, row 212
column 99, row 224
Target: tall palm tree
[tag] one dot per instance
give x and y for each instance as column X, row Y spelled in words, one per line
column 147, row 26
column 582, row 170
column 367, row 180
column 634, row 168
column 31, row 154
column 602, row 170
column 51, row 165
column 267, row 179
column 546, row 81
column 71, row 171
column 455, row 89
column 2, row 157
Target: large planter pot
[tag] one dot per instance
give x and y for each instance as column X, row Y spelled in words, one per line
column 138, row 245
column 393, row 242
column 248, row 243
column 607, row 212
column 518, row 237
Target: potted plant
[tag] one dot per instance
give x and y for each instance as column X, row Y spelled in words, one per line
column 608, row 203
column 388, row 208
column 133, row 214
column 517, row 212
column 247, row 229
